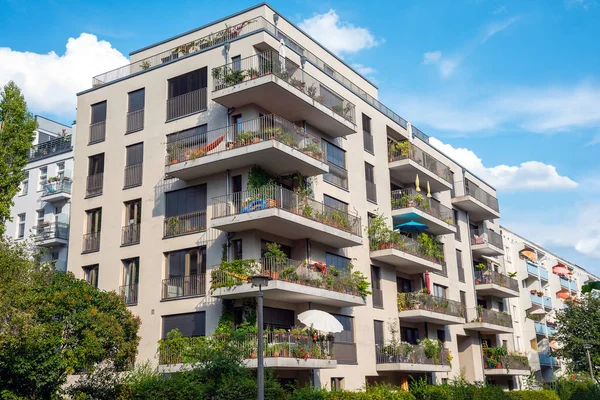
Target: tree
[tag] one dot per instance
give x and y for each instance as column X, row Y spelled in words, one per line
column 17, row 128
column 579, row 324
column 56, row 325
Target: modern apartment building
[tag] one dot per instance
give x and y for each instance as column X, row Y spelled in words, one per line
column 546, row 281
column 41, row 209
column 196, row 154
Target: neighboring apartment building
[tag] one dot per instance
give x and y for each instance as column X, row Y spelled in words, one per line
column 41, row 209
column 546, row 281
column 161, row 197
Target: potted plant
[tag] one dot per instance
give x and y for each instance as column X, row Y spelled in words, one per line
column 479, row 313
column 145, row 64
column 540, row 294
column 252, row 73
column 533, row 291
column 480, row 267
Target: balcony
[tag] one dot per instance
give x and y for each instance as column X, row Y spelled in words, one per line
column 410, row 205
column 130, row 234
column 409, row 358
column 292, row 281
column 540, row 329
column 480, row 204
column 270, row 142
column 537, row 302
column 283, row 350
column 509, row 365
column 282, row 212
column 51, row 234
column 486, row 243
column 184, row 286
column 551, row 330
column 186, row 104
column 407, row 161
column 59, row 145
column 423, row 307
column 492, row 283
column 407, row 255
column 97, row 132
column 532, row 269
column 488, row 321
column 135, row 121
column 129, row 293
column 368, row 142
column 544, row 274
column 91, row 242
column 547, row 360
column 57, row 191
column 547, row 300
column 184, row 224
column 282, row 87
column 565, row 283
column 94, row 185
column 133, row 175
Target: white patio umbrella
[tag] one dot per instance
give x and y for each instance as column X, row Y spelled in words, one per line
column 321, row 321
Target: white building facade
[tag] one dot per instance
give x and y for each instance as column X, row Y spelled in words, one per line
column 41, row 209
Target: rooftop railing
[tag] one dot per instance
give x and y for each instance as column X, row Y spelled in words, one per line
column 427, row 302
column 471, row 189
column 496, row 278
column 405, row 353
column 270, row 63
column 274, row 196
column 50, row 148
column 268, row 127
column 420, row 157
column 489, row 316
column 409, row 197
column 210, row 40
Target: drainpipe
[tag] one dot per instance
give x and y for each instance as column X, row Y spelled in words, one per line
column 228, row 192
column 308, row 249
column 226, row 48
column 275, row 20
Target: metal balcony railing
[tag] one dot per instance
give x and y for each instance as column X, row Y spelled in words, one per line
column 411, row 246
column 405, row 353
column 130, row 234
column 368, row 142
column 51, row 230
column 510, row 362
column 135, row 121
column 422, row 158
column 274, row 196
column 428, row 302
column 133, row 175
column 186, row 223
column 129, row 293
column 91, row 242
column 186, row 104
column 371, row 191
column 61, row 144
column 489, row 316
column 496, row 278
column 213, row 39
column 377, row 297
column 183, row 286
column 481, row 236
column 268, row 127
column 94, row 184
column 409, row 197
column 293, row 271
column 61, row 186
column 276, row 344
column 97, row 132
column 471, row 189
column 270, row 63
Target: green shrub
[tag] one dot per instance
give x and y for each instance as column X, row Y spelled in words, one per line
column 570, row 389
column 308, row 393
column 533, row 395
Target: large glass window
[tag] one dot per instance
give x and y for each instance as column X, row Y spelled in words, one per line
column 339, row 262
column 186, row 201
column 135, row 154
column 43, row 178
column 335, row 203
column 21, row 227
column 136, row 100
column 98, row 112
column 25, row 184
column 91, row 274
column 410, row 335
column 186, row 262
column 131, row 271
column 336, row 159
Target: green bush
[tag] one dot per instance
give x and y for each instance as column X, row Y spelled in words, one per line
column 308, row 393
column 570, row 389
column 533, row 395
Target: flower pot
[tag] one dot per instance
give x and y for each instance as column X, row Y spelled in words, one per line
column 256, row 139
column 498, row 366
column 252, row 355
column 480, row 319
column 275, row 354
column 254, row 76
column 275, row 276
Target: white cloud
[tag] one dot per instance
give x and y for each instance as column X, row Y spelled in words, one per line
column 500, row 10
column 595, row 140
column 338, row 36
column 528, row 176
column 363, row 69
column 535, row 109
column 585, row 4
column 445, row 65
column 50, row 81
column 497, row 27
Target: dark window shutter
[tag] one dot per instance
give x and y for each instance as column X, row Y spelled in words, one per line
column 366, row 123
column 192, row 324
column 189, row 82
column 137, row 100
column 135, row 154
column 185, row 201
column 278, row 318
column 96, row 164
column 378, row 328
column 347, row 334
column 198, row 130
column 369, row 174
column 98, row 112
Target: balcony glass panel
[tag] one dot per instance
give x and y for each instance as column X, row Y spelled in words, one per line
column 398, row 152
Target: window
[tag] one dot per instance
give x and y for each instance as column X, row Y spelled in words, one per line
column 236, row 123
column 336, row 159
column 189, row 325
column 441, row 335
column 339, row 262
column 337, row 384
column 236, row 249
column 404, row 285
column 286, row 249
column 457, row 234
column 370, row 183
column 133, row 212
column 236, row 63
column 193, row 86
column 131, row 271
column 501, row 306
column 533, row 344
column 60, row 170
column 367, row 135
column 335, row 203
column 43, row 178
column 278, row 318
column 410, row 335
column 133, row 165
column 95, row 179
column 347, row 334
column 136, row 100
column 463, row 298
column 57, row 210
column 439, row 290
column 461, row 270
column 376, row 286
column 44, row 137
column 187, row 83
column 366, row 123
column 40, row 217
column 378, row 333
column 186, row 201
column 91, row 274
column 515, row 313
column 196, row 131
column 518, row 343
column 98, row 112
column 94, row 220
column 96, row 164
column 186, row 262
column 21, row 226
column 25, row 184
column 524, row 283
column 507, row 255
column 135, row 154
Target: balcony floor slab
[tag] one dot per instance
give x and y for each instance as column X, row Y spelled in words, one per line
column 405, row 262
column 430, row 316
column 492, row 289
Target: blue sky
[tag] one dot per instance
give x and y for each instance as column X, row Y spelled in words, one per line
column 511, row 89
